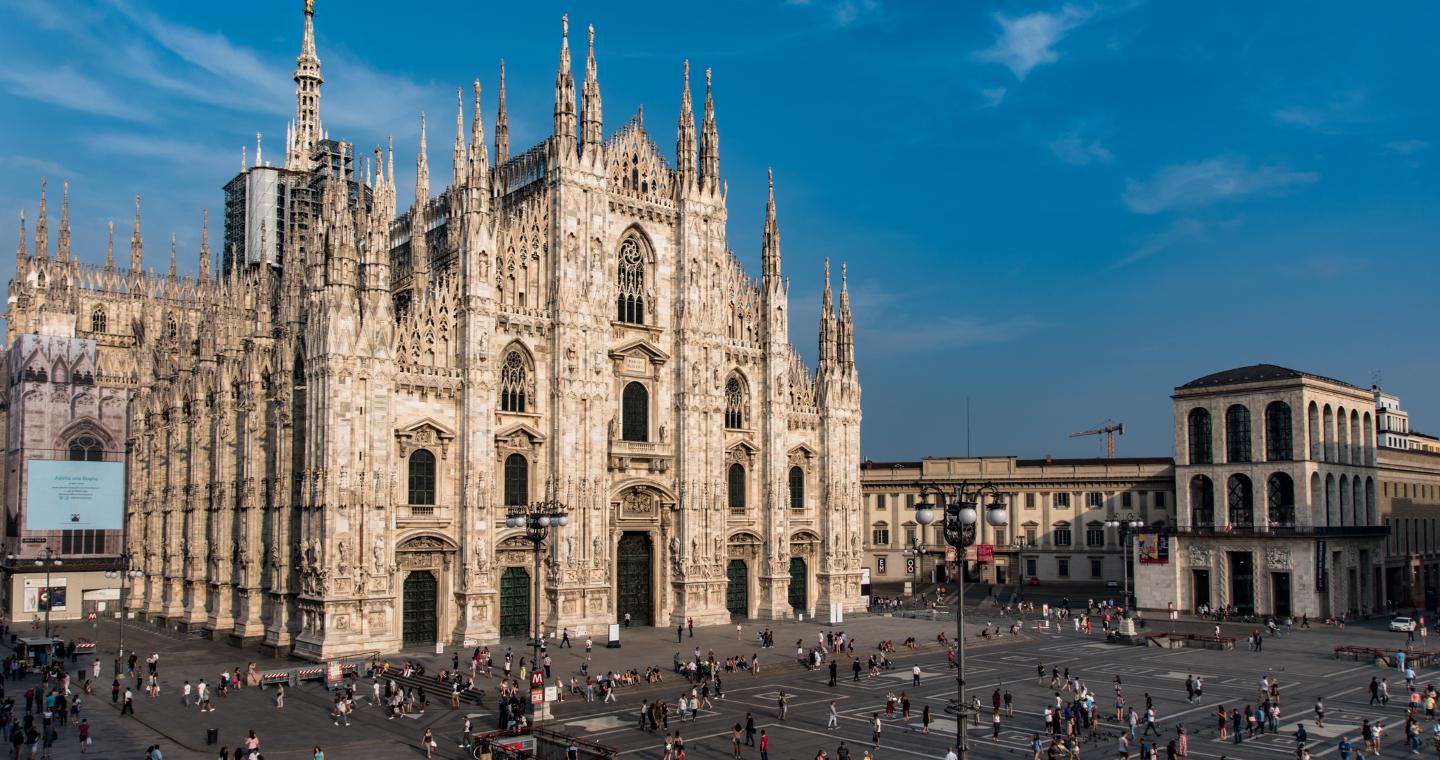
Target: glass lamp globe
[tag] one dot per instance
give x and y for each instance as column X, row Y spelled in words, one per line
column 996, row 516
column 925, row 515
column 968, row 515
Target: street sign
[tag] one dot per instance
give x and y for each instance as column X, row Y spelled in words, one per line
column 90, row 617
column 537, row 696
column 537, row 680
column 910, row 565
column 985, row 552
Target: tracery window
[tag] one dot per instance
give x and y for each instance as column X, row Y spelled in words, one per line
column 1280, row 501
column 1200, row 437
column 631, row 304
column 517, row 480
column 736, row 486
column 97, row 321
column 514, row 383
column 635, row 413
column 85, row 449
column 734, row 404
column 422, row 477
column 172, row 329
column 797, row 488
column 1278, row 446
column 1242, row 502
column 1237, row 434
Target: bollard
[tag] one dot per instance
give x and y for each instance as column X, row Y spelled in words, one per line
column 212, row 736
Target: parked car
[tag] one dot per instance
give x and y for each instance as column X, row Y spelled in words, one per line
column 1402, row 624
column 1033, row 581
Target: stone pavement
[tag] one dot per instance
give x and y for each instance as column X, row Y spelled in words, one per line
column 291, row 732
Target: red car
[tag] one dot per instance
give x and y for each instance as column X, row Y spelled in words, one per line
column 1033, row 581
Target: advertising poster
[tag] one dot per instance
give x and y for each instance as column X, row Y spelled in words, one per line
column 66, row 495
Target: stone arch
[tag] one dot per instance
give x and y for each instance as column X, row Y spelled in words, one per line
column 1328, row 415
column 517, row 379
column 737, row 400
column 85, row 426
column 1342, row 436
column 1316, row 439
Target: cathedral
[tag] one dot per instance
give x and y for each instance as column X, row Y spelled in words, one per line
column 322, row 437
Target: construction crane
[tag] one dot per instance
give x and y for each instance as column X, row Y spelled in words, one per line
column 1110, row 430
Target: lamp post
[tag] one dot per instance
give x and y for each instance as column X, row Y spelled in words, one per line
column 537, row 519
column 1126, row 526
column 124, row 574
column 960, row 509
column 49, row 561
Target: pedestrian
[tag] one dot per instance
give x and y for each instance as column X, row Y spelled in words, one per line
column 1319, row 713
column 834, row 720
column 316, row 753
column 128, row 706
column 915, row 675
column 690, row 623
column 875, row 729
column 427, row 743
column 627, row 620
column 279, row 696
column 764, row 746
column 783, row 707
column 994, row 724
column 749, row 730
column 1344, row 748
column 679, row 633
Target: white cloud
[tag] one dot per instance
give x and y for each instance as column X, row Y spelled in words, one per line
column 993, row 96
column 1406, row 147
column 1193, row 185
column 66, row 87
column 1029, row 41
column 1077, row 150
column 842, row 12
column 1179, row 231
column 1331, row 117
column 45, row 167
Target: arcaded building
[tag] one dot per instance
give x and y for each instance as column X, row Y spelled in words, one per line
column 322, row 441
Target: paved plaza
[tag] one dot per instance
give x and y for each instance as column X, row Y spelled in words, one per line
column 1301, row 661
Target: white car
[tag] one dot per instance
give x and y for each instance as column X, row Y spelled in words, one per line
column 1402, row 624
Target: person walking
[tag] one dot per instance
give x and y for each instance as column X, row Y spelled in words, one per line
column 764, row 746
column 128, row 706
column 925, row 720
column 783, row 707
column 279, row 696
column 84, row 728
column 735, row 740
column 1319, row 713
column 749, row 730
column 427, row 743
column 833, row 721
column 875, row 729
column 834, row 668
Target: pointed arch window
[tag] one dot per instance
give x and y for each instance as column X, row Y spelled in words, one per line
column 1200, row 452
column 517, row 480
column 735, row 402
column 1278, row 437
column 514, row 383
column 797, row 488
column 85, row 449
column 631, row 304
column 735, row 482
column 422, row 477
column 635, row 413
column 172, row 329
column 1237, row 434
column 97, row 320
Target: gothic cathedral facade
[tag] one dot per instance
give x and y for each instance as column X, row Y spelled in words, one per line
column 323, row 438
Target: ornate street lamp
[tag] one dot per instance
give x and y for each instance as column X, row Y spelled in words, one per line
column 1126, row 526
column 124, row 574
column 960, row 510
column 537, row 519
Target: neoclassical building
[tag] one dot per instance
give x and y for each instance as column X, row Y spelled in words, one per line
column 322, row 440
column 1276, row 477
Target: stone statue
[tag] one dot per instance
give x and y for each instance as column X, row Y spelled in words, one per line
column 612, row 428
column 378, row 553
column 480, row 552
column 569, row 546
column 664, row 434
column 674, row 546
column 719, row 545
column 342, row 551
column 599, row 548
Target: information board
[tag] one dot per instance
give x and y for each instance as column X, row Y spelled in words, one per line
column 65, row 495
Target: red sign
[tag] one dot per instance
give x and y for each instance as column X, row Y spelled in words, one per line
column 537, row 680
column 985, row 552
column 90, row 616
column 537, row 696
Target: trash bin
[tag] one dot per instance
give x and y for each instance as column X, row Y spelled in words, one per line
column 212, row 736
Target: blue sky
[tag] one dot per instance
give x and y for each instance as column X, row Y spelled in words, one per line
column 1060, row 210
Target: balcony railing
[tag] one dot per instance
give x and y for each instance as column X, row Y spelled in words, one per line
column 423, row 512
column 1318, row 531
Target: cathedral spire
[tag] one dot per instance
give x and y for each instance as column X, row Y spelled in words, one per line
column 42, row 227
column 422, row 169
column 770, row 238
column 205, row 247
column 565, row 91
column 502, row 123
column 307, row 98
column 62, row 249
column 592, row 133
column 457, row 160
column 827, row 323
column 479, row 155
column 685, row 139
column 845, row 332
column 110, row 245
column 709, row 142
column 137, row 246
column 171, row 272
column 21, row 252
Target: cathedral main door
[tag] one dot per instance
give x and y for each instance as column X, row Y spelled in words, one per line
column 419, row 615
column 515, row 603
column 737, row 592
column 799, row 588
column 633, row 559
